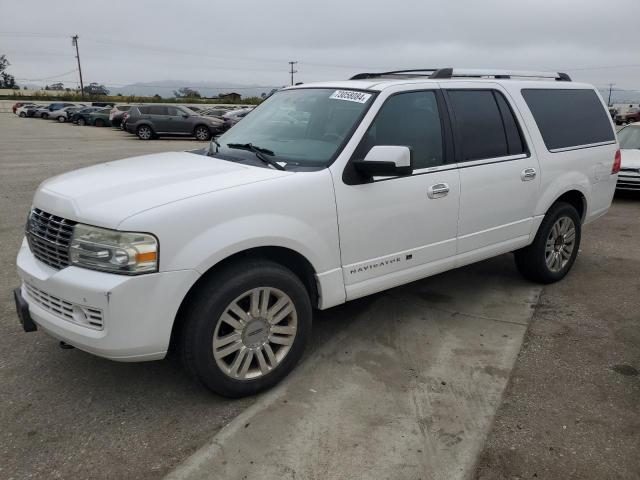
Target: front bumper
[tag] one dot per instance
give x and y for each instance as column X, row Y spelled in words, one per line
column 628, row 180
column 137, row 312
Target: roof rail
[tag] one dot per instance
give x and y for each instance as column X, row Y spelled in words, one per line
column 441, row 73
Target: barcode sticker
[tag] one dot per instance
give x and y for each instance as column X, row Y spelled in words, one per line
column 350, row 96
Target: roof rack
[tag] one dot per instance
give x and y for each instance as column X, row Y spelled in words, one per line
column 442, row 73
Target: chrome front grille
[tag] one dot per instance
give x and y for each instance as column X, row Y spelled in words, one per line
column 79, row 314
column 49, row 237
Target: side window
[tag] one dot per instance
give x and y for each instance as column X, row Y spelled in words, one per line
column 144, row 110
column 158, row 110
column 175, row 111
column 408, row 119
column 569, row 117
column 485, row 125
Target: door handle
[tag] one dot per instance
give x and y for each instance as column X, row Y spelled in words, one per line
column 528, row 174
column 438, row 190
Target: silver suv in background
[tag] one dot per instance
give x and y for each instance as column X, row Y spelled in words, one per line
column 153, row 121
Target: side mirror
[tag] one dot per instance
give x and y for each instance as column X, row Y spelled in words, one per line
column 386, row 161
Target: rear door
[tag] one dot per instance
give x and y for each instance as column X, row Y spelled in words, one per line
column 159, row 116
column 177, row 123
column 499, row 175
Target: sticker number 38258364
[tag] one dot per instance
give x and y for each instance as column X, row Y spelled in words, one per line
column 351, row 96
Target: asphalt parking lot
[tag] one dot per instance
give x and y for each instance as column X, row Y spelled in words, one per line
column 403, row 384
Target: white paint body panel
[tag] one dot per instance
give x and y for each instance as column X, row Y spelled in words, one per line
column 359, row 239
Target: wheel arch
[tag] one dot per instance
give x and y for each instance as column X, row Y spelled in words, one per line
column 284, row 256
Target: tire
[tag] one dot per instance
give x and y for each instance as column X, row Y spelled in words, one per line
column 144, row 132
column 62, row 119
column 44, row 115
column 202, row 133
column 82, row 122
column 99, row 122
column 555, row 247
column 262, row 361
column 22, row 115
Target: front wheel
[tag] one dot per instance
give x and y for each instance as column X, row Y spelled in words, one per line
column 62, row 119
column 202, row 133
column 44, row 115
column 22, row 115
column 144, row 132
column 555, row 247
column 82, row 122
column 246, row 328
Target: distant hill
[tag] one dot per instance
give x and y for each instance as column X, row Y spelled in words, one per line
column 165, row 88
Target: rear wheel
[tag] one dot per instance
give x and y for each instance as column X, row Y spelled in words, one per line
column 62, row 119
column 144, row 132
column 44, row 115
column 246, row 328
column 202, row 133
column 82, row 122
column 555, row 247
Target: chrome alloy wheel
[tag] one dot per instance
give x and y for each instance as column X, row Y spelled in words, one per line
column 255, row 333
column 560, row 244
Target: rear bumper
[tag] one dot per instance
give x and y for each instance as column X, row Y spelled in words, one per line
column 137, row 311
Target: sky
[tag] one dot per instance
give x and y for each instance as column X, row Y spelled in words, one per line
column 250, row 42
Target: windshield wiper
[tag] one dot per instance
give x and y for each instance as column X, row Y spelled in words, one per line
column 260, row 153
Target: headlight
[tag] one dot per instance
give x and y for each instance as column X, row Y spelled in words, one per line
column 112, row 251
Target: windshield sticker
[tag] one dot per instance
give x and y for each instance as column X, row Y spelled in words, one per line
column 350, row 96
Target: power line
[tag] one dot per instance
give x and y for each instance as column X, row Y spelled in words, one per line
column 47, row 78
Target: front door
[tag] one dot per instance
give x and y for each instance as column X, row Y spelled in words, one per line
column 397, row 229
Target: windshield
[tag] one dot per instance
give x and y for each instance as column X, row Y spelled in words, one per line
column 302, row 126
column 629, row 137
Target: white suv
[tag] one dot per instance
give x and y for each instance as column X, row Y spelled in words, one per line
column 324, row 193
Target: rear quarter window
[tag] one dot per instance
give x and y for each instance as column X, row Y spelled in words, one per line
column 569, row 118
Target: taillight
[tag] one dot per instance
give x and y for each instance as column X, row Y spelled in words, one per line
column 616, row 163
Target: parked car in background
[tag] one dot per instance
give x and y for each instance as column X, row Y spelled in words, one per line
column 629, row 176
column 21, row 111
column 218, row 112
column 80, row 116
column 234, row 116
column 153, row 121
column 31, row 110
column 630, row 116
column 54, row 107
column 99, row 118
column 17, row 105
column 63, row 114
column 117, row 113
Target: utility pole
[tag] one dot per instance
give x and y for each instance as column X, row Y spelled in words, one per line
column 292, row 71
column 74, row 42
column 610, row 89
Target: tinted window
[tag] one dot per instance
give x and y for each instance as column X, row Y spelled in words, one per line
column 175, row 111
column 515, row 144
column 408, row 119
column 481, row 133
column 569, row 118
column 143, row 110
column 158, row 110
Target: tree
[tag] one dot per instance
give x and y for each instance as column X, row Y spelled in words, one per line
column 57, row 86
column 6, row 80
column 157, row 97
column 96, row 89
column 187, row 92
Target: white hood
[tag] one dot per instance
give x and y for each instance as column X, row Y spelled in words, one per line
column 630, row 158
column 105, row 194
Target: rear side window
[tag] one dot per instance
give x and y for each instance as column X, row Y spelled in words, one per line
column 485, row 125
column 158, row 110
column 408, row 119
column 569, row 118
